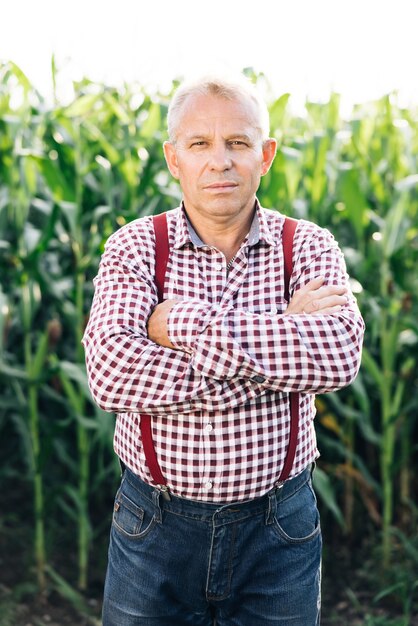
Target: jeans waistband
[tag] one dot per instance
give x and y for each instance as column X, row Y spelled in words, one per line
column 223, row 512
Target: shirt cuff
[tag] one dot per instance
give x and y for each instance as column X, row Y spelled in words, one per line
column 186, row 321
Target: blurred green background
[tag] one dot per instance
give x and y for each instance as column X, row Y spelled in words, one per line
column 71, row 174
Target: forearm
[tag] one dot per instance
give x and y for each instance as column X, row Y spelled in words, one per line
column 151, row 379
column 310, row 353
column 299, row 349
column 127, row 371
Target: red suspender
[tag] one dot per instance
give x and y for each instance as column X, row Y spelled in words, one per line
column 161, row 258
column 162, row 252
column 289, row 228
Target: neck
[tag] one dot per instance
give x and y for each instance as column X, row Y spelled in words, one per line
column 223, row 234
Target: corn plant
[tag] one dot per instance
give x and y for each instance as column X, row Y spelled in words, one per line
column 70, row 177
column 358, row 179
column 71, row 174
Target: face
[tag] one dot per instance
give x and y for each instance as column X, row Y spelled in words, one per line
column 218, row 157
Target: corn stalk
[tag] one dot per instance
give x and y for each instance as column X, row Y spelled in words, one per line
column 34, row 363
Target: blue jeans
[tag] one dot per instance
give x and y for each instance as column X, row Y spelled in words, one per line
column 182, row 562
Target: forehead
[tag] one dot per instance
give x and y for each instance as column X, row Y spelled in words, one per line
column 205, row 113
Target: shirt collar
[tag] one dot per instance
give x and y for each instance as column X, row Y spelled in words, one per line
column 265, row 233
column 182, row 233
column 259, row 231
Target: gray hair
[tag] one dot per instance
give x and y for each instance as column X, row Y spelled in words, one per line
column 231, row 89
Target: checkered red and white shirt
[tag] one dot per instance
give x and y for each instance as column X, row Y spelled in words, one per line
column 219, row 406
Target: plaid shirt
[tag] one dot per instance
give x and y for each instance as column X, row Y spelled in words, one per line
column 220, row 404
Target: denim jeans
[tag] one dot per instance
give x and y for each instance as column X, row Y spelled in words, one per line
column 177, row 562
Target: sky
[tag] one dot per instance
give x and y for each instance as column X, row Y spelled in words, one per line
column 361, row 48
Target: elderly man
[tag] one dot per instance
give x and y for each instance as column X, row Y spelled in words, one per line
column 211, row 362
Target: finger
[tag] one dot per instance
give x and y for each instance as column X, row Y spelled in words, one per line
column 327, row 290
column 316, row 288
column 319, row 304
column 317, row 299
column 309, row 298
column 327, row 311
column 304, row 294
column 313, row 284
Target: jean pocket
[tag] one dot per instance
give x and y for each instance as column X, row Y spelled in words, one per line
column 297, row 517
column 130, row 519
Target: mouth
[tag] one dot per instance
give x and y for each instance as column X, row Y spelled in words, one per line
column 222, row 186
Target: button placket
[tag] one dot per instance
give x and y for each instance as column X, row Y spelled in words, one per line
column 217, row 274
column 209, row 475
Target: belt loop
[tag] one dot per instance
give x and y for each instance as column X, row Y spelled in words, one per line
column 156, row 495
column 272, row 507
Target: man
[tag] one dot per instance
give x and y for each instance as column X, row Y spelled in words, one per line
column 222, row 538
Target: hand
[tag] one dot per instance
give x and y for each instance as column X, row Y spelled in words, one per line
column 315, row 299
column 157, row 324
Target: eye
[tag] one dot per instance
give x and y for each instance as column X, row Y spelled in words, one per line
column 238, row 143
column 198, row 144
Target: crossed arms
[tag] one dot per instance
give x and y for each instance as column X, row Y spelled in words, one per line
column 314, row 298
column 189, row 355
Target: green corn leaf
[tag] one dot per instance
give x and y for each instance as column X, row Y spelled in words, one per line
column 278, row 110
column 22, row 428
column 67, row 591
column 333, row 112
column 71, row 392
column 88, row 423
column 390, row 343
column 361, row 394
column 76, row 372
column 292, row 170
column 319, row 180
column 20, row 75
column 69, row 509
column 30, row 301
column 38, row 364
column 152, row 123
column 323, row 486
column 407, row 184
column 370, row 364
column 4, row 315
column 82, row 106
column 57, row 184
column 396, row 226
column 117, row 108
column 95, row 134
column 351, row 195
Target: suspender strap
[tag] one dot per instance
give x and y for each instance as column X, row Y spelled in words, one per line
column 162, row 252
column 287, row 241
column 161, row 259
column 288, row 233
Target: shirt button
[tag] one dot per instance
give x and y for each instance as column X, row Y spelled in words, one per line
column 219, row 267
column 208, row 485
column 208, row 428
column 258, row 379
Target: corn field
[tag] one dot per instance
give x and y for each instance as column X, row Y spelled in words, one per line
column 71, row 174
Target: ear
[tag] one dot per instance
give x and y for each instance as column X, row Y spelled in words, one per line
column 269, row 152
column 170, row 154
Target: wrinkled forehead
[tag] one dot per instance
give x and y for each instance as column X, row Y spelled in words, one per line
column 207, row 113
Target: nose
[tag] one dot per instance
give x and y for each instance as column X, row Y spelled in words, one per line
column 220, row 158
